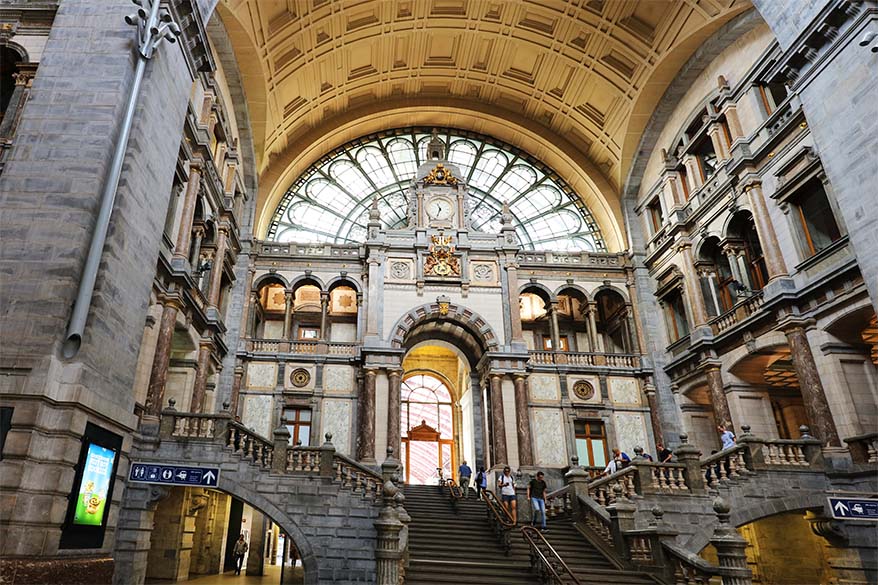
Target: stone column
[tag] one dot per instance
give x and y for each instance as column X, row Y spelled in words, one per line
column 250, row 313
column 236, row 391
column 196, row 247
column 693, row 286
column 216, row 274
column 193, row 187
column 693, row 172
column 324, row 314
column 24, row 78
column 654, row 414
column 497, row 421
column 732, row 254
column 514, row 305
column 204, row 349
column 718, row 139
column 774, row 261
column 733, row 121
column 721, row 412
column 553, row 326
column 159, row 372
column 288, row 314
column 813, row 395
column 256, row 552
column 393, row 405
column 593, row 337
column 366, row 422
column 522, row 422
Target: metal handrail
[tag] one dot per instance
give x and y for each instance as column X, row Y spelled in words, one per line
column 548, row 566
column 453, row 490
column 499, row 518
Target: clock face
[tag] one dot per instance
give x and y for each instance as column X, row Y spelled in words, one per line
column 440, row 209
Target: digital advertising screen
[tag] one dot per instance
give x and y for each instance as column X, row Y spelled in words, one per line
column 95, row 486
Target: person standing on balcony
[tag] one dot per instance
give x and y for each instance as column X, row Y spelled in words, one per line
column 464, row 474
column 507, row 493
column 664, row 454
column 536, row 492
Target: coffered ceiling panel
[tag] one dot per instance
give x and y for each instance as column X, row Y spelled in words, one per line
column 574, row 69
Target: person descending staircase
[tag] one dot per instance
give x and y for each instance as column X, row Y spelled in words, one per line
column 458, row 546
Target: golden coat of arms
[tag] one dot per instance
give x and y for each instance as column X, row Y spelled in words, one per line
column 441, row 261
column 440, row 176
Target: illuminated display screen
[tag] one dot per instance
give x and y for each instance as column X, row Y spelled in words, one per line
column 94, row 487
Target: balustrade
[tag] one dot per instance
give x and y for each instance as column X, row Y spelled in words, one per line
column 559, row 502
column 579, row 358
column 738, row 313
column 302, row 347
column 725, row 465
column 864, row 448
column 602, row 489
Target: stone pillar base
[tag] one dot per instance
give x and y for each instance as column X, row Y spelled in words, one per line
column 67, row 570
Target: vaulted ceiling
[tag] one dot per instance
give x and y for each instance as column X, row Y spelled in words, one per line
column 572, row 82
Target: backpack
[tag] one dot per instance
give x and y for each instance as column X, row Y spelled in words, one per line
column 480, row 476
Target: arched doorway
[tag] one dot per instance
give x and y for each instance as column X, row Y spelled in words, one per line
column 426, row 428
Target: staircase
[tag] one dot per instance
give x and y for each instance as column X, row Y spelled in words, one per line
column 459, row 547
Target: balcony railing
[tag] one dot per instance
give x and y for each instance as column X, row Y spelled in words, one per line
column 575, row 358
column 302, row 347
column 738, row 313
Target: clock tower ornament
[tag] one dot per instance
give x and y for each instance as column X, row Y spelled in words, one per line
column 438, row 198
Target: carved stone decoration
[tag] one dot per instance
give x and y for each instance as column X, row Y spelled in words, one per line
column 400, row 271
column 444, row 303
column 483, row 272
column 441, row 260
column 300, row 377
column 583, row 389
column 440, row 176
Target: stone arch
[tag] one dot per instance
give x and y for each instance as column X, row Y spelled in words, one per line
column 268, row 278
column 304, row 279
column 243, row 491
column 733, row 217
column 343, row 281
column 472, row 322
column 702, row 241
column 539, row 289
column 574, row 287
column 759, row 509
column 18, row 49
column 612, row 288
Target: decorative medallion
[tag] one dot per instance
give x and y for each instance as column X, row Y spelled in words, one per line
column 441, row 261
column 440, row 176
column 300, row 377
column 399, row 270
column 583, row 390
column 483, row 272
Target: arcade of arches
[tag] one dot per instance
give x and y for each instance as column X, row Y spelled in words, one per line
column 354, row 244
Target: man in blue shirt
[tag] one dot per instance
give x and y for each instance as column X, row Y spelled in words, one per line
column 726, row 436
column 464, row 473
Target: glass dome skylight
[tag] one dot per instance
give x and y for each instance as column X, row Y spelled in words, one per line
column 330, row 201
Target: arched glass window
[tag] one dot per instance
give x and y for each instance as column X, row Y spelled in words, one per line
column 330, row 201
column 426, row 399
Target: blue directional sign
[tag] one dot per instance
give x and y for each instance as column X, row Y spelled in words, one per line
column 854, row 508
column 174, row 474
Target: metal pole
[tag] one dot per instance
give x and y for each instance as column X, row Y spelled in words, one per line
column 151, row 30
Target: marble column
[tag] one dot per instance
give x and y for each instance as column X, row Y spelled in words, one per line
column 693, row 286
column 733, row 122
column 190, row 199
column 497, row 421
column 216, row 273
column 654, row 413
column 522, row 422
column 288, row 314
column 816, row 406
column 159, row 373
column 718, row 139
column 774, row 261
column 236, row 391
column 196, row 247
column 593, row 337
column 200, row 386
column 393, row 405
column 721, row 412
column 366, row 422
column 250, row 313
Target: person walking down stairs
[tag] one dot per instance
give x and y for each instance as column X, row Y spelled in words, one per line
column 536, row 493
column 507, row 493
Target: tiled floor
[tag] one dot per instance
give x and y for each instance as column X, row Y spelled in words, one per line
column 271, row 577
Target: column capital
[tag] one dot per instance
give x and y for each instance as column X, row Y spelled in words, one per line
column 168, row 301
column 516, row 376
column 391, row 372
column 749, row 182
column 793, row 324
column 497, row 375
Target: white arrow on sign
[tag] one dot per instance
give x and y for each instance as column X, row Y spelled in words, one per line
column 841, row 509
column 209, row 477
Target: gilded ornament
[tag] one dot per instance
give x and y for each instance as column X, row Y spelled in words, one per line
column 441, row 260
column 300, row 377
column 440, row 176
column 583, row 390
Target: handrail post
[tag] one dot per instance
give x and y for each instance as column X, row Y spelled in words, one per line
column 813, row 448
column 754, row 456
column 689, row 456
column 281, row 444
column 327, row 453
column 390, row 467
column 621, row 513
column 643, row 484
column 730, row 547
column 221, row 424
column 168, row 422
column 577, row 478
